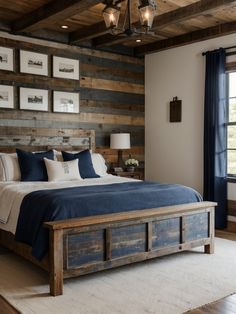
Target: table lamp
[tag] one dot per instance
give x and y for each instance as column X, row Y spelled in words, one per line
column 120, row 141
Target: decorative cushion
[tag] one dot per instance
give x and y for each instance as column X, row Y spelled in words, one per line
column 62, row 171
column 9, row 167
column 32, row 166
column 85, row 163
column 99, row 164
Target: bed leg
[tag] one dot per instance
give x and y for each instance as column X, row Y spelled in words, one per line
column 209, row 248
column 56, row 262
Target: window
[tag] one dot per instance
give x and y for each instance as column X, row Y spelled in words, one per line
column 232, row 124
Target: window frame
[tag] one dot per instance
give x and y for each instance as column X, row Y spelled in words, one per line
column 231, row 177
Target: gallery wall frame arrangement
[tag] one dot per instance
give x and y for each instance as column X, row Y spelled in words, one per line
column 65, row 68
column 33, row 63
column 37, row 63
column 33, row 99
column 6, row 59
column 65, row 102
column 111, row 95
column 6, row 96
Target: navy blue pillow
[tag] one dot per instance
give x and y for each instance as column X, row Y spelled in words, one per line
column 85, row 163
column 32, row 166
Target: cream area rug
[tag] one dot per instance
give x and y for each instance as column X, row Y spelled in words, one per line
column 167, row 285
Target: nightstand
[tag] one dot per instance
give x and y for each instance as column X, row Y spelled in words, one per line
column 138, row 174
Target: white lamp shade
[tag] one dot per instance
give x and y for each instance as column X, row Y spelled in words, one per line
column 120, row 141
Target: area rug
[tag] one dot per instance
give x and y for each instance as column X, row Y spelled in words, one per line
column 167, row 285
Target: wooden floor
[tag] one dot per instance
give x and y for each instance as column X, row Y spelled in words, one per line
column 6, row 308
column 224, row 306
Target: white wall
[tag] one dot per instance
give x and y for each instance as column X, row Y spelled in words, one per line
column 232, row 191
column 174, row 151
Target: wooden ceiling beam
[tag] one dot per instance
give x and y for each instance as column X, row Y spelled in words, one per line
column 5, row 26
column 88, row 32
column 189, row 38
column 105, row 40
column 190, row 11
column 176, row 16
column 50, row 13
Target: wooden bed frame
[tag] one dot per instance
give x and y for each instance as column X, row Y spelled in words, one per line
column 86, row 245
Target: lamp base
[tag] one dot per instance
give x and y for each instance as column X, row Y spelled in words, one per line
column 120, row 161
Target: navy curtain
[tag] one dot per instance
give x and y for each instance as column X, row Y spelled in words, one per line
column 215, row 135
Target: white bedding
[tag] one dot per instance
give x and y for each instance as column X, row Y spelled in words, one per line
column 12, row 194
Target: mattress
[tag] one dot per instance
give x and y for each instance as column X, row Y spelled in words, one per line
column 12, row 194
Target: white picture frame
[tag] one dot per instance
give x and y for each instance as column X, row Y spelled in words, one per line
column 6, row 96
column 33, row 63
column 65, row 68
column 33, row 99
column 6, row 59
column 65, row 102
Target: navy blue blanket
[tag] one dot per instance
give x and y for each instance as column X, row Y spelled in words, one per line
column 48, row 205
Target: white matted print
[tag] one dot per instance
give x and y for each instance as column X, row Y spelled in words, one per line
column 33, row 63
column 6, row 96
column 34, row 99
column 6, row 59
column 65, row 102
column 66, row 68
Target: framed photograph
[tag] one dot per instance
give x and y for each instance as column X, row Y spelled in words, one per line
column 65, row 102
column 6, row 59
column 66, row 68
column 33, row 99
column 6, row 96
column 33, row 63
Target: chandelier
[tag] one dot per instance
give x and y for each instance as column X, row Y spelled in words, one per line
column 111, row 15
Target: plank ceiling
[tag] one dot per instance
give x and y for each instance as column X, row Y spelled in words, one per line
column 177, row 22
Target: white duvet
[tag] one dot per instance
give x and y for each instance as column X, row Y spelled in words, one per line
column 12, row 194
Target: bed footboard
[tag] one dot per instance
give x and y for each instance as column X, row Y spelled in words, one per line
column 91, row 244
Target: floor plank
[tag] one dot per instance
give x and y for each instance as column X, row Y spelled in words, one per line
column 6, row 308
column 226, row 305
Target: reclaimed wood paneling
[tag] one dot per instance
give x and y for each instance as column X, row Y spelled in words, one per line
column 111, row 90
column 166, row 233
column 85, row 248
column 196, row 226
column 34, row 139
column 119, row 86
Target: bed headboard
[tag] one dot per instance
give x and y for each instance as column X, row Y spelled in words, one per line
column 34, row 139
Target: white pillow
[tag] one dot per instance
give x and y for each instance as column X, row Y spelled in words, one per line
column 62, row 171
column 9, row 167
column 99, row 164
column 57, row 155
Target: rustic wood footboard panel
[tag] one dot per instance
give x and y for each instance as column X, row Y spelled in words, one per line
column 86, row 245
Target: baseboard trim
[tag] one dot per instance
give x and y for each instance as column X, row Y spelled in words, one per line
column 231, row 218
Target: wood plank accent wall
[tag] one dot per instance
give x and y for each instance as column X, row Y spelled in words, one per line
column 111, row 94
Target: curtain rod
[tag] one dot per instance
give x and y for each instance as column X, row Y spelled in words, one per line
column 227, row 48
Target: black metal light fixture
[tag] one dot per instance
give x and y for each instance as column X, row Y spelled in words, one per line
column 111, row 14
column 147, row 10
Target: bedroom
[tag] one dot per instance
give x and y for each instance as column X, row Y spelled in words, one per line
column 113, row 98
